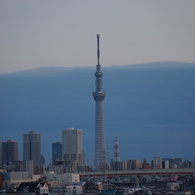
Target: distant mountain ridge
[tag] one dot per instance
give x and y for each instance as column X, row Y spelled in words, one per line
column 149, row 107
column 163, row 64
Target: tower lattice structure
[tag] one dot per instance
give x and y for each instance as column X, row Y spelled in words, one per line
column 100, row 159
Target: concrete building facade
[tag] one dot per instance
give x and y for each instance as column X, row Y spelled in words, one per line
column 157, row 163
column 9, row 152
column 134, row 164
column 61, row 179
column 56, row 152
column 15, row 178
column 72, row 146
column 32, row 147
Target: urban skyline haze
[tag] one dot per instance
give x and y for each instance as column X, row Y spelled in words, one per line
column 149, row 107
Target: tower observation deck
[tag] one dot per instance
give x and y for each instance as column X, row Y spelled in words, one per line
column 100, row 160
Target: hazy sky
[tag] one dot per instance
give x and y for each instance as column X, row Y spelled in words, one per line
column 63, row 32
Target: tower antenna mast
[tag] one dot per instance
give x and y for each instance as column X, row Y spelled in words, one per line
column 98, row 49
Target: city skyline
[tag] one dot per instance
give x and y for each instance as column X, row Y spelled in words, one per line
column 37, row 34
column 151, row 101
column 70, row 136
column 137, row 112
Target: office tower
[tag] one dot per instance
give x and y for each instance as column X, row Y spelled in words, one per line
column 72, row 146
column 157, row 163
column 32, row 147
column 56, row 151
column 100, row 160
column 9, row 152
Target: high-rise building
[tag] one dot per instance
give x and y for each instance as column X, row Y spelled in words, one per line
column 32, row 147
column 72, row 146
column 157, row 163
column 56, row 151
column 9, row 152
column 100, row 160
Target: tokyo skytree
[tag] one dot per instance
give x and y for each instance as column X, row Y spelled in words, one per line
column 100, row 160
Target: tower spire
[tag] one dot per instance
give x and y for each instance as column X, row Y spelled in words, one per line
column 98, row 49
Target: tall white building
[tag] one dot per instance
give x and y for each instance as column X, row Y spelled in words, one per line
column 72, row 146
column 32, row 147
